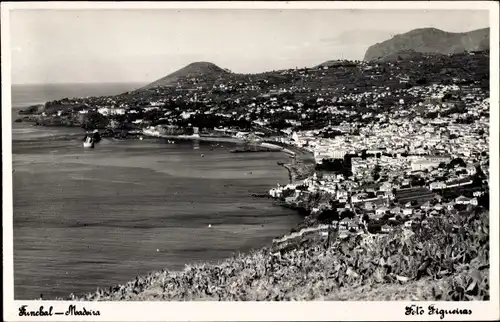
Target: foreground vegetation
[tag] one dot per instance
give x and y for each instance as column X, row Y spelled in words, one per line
column 449, row 260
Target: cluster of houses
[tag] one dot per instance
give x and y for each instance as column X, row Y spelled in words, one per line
column 400, row 131
column 378, row 204
column 416, row 160
column 351, row 95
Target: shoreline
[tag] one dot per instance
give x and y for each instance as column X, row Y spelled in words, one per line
column 349, row 267
column 302, row 165
column 352, row 237
column 193, row 138
column 308, row 248
column 230, row 140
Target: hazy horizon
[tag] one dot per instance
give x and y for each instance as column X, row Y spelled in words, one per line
column 140, row 46
column 79, row 83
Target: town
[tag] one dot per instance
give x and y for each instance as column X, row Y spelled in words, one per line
column 258, row 152
column 394, row 142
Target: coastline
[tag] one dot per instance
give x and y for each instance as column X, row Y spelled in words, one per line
column 216, row 139
column 302, row 164
column 360, row 235
column 268, row 274
column 349, row 267
column 196, row 138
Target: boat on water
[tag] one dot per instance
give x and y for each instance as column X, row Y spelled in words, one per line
column 88, row 143
column 91, row 138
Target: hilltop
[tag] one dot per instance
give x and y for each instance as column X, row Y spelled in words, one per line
column 193, row 70
column 207, row 96
column 336, row 63
column 430, row 40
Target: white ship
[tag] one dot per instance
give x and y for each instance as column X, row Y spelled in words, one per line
column 88, row 143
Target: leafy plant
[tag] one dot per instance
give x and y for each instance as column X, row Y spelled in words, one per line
column 446, row 261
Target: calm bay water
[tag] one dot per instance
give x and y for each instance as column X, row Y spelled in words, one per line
column 94, row 218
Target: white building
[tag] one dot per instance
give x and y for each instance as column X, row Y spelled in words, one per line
column 422, row 164
column 437, row 185
column 381, row 211
column 463, row 200
column 407, row 211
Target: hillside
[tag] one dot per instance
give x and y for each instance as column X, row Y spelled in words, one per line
column 336, row 63
column 194, row 70
column 227, row 92
column 430, row 40
column 353, row 267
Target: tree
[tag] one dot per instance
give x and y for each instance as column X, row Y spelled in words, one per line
column 95, row 120
column 446, row 97
column 421, row 81
column 457, row 161
column 328, row 215
column 484, row 201
column 374, row 227
column 370, row 194
column 301, row 188
column 347, row 214
column 376, row 172
column 331, row 165
column 417, row 182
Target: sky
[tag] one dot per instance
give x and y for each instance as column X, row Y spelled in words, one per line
column 97, row 46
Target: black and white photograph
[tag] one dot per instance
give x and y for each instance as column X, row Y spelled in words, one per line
column 250, row 153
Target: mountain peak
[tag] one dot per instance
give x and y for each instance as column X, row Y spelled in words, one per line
column 194, row 70
column 428, row 30
column 431, row 40
column 202, row 64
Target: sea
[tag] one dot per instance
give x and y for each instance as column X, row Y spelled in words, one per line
column 93, row 218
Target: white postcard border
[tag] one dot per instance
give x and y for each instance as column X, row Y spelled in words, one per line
column 255, row 311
